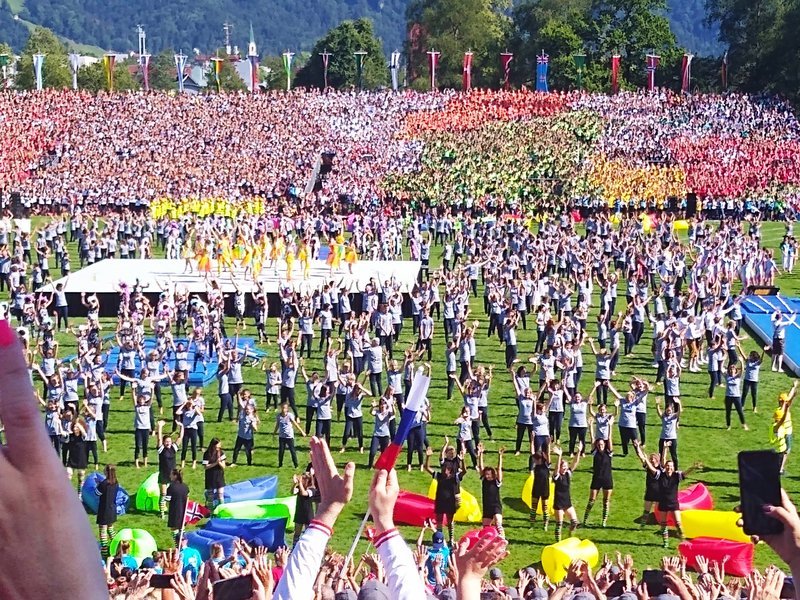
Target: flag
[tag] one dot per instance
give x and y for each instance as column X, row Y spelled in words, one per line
column 433, row 64
column 724, row 72
column 145, row 58
column 180, row 65
column 370, row 533
column 686, row 73
column 394, row 68
column 359, row 58
column 287, row 67
column 652, row 65
column 615, row 73
column 253, row 73
column 38, row 65
column 217, row 70
column 74, row 63
column 326, row 59
column 580, row 67
column 466, row 78
column 108, row 69
column 542, row 62
column 505, row 68
column 194, row 513
column 410, row 415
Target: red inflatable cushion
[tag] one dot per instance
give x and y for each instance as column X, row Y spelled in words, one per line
column 413, row 509
column 740, row 554
column 695, row 497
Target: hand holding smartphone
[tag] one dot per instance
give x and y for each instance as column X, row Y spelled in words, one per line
column 760, row 485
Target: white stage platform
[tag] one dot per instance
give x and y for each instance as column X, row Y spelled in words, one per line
column 104, row 277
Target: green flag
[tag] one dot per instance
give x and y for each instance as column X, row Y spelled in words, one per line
column 580, row 67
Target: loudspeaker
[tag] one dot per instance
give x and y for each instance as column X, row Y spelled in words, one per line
column 691, row 204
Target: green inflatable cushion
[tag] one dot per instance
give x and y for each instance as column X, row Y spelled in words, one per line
column 275, row 508
column 142, row 543
column 148, row 494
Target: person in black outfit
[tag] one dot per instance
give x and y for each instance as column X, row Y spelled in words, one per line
column 214, row 463
column 107, row 508
column 78, row 457
column 178, row 497
column 491, row 480
column 447, row 488
column 562, row 501
column 669, row 481
column 602, row 479
column 305, row 487
column 651, row 488
column 167, row 460
column 539, row 466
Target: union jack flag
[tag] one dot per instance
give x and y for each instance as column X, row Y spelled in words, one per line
column 542, row 59
column 194, row 513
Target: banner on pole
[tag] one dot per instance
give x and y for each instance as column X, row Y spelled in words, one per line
column 580, row 67
column 615, row 73
column 359, row 58
column 466, row 78
column 686, row 73
column 433, row 64
column 217, row 70
column 724, row 72
column 180, row 65
column 394, row 68
column 38, row 66
column 287, row 67
column 653, row 61
column 542, row 63
column 109, row 60
column 505, row 68
column 145, row 58
column 326, row 59
column 74, row 64
column 253, row 73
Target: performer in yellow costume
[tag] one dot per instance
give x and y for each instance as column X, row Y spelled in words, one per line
column 203, row 261
column 305, row 259
column 350, row 257
column 277, row 250
column 224, row 258
column 188, row 255
column 289, row 262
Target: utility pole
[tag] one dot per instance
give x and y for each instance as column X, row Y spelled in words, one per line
column 142, row 40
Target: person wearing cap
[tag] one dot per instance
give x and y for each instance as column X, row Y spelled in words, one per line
column 782, row 430
column 438, row 554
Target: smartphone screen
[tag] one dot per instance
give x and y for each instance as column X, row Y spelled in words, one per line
column 161, row 582
column 654, row 580
column 759, row 484
column 235, row 588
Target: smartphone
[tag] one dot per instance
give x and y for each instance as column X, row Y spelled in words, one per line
column 654, row 581
column 235, row 588
column 759, row 484
column 161, row 582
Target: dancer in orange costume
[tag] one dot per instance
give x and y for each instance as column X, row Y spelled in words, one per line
column 350, row 257
column 277, row 250
column 333, row 256
column 224, row 258
column 203, row 261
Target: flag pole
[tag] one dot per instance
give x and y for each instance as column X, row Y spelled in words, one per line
column 179, row 539
column 354, row 545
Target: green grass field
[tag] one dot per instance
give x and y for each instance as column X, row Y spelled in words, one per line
column 702, row 438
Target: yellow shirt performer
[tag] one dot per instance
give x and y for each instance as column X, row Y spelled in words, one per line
column 782, row 431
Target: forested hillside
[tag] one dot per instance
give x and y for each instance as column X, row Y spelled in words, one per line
column 278, row 24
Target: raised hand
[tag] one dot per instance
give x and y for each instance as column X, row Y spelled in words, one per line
column 335, row 490
column 473, row 563
column 382, row 498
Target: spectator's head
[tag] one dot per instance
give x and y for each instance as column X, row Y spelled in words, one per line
column 373, row 590
column 437, row 541
column 346, row 595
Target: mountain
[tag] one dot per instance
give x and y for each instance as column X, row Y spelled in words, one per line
column 278, row 24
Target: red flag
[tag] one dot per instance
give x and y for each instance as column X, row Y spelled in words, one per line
column 686, row 73
column 615, row 74
column 725, row 72
column 370, row 533
column 466, row 80
column 505, row 68
column 194, row 513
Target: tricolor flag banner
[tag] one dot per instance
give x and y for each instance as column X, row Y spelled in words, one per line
column 180, row 66
column 108, row 68
column 326, row 59
column 409, row 417
column 253, row 73
column 217, row 62
column 505, row 68
column 74, row 64
column 542, row 63
column 194, row 513
column 145, row 58
column 652, row 64
column 394, row 68
column 686, row 73
column 287, row 67
column 433, row 64
column 724, row 72
column 38, row 66
column 466, row 78
column 615, row 74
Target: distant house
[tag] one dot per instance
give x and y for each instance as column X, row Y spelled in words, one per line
column 194, row 80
